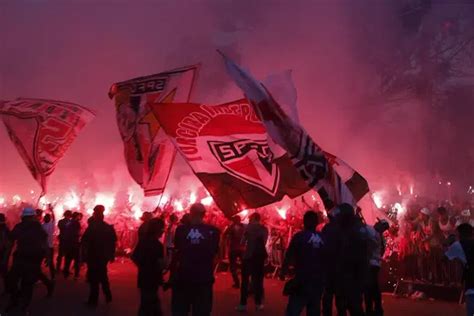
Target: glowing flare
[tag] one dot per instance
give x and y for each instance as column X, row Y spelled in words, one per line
column 105, row 199
column 192, row 198
column 72, row 200
column 282, row 212
column 58, row 210
column 2, row 200
column 377, row 198
column 43, row 202
column 16, row 198
column 164, row 199
column 412, row 189
column 207, row 201
column 401, row 210
column 137, row 212
column 178, row 205
column 244, row 213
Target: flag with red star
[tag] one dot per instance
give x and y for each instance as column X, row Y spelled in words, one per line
column 148, row 152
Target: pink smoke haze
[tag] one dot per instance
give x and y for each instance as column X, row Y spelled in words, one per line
column 74, row 50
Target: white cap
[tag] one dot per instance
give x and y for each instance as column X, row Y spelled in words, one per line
column 426, row 211
column 28, row 211
column 466, row 213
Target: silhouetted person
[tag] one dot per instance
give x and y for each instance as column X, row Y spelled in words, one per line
column 306, row 254
column 62, row 225
column 4, row 249
column 169, row 237
column 233, row 235
column 463, row 250
column 373, row 295
column 196, row 246
column 352, row 263
column 331, row 234
column 71, row 245
column 31, row 244
column 145, row 218
column 149, row 258
column 98, row 245
column 49, row 224
column 253, row 264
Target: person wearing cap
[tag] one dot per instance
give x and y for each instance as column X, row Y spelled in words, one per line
column 431, row 247
column 253, row 263
column 98, row 246
column 31, row 244
column 196, row 248
column 233, row 238
column 373, row 295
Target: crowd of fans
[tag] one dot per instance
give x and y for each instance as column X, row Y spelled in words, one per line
column 252, row 244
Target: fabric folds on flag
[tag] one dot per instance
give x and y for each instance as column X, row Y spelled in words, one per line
column 227, row 147
column 42, row 131
column 334, row 180
column 148, row 152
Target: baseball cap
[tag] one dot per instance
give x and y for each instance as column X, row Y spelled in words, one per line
column 28, row 211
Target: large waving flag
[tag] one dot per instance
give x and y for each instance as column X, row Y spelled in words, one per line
column 42, row 131
column 335, row 181
column 148, row 152
column 228, row 149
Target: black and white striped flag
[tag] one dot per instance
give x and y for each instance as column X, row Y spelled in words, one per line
column 334, row 180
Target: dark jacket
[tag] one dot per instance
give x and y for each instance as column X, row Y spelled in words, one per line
column 347, row 254
column 31, row 241
column 196, row 248
column 255, row 237
column 98, row 242
column 306, row 253
column 234, row 235
column 72, row 233
column 468, row 273
column 148, row 256
column 62, row 226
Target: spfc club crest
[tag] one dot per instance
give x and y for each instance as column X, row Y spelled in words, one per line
column 250, row 161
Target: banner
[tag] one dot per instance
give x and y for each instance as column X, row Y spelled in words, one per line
column 42, row 131
column 148, row 152
column 227, row 148
column 335, row 181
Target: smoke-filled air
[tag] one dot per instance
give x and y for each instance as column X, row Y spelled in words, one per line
column 385, row 85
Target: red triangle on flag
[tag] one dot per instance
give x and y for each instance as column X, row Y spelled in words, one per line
column 246, row 167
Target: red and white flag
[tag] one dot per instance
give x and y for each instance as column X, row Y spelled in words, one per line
column 335, row 181
column 227, row 148
column 42, row 131
column 148, row 152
